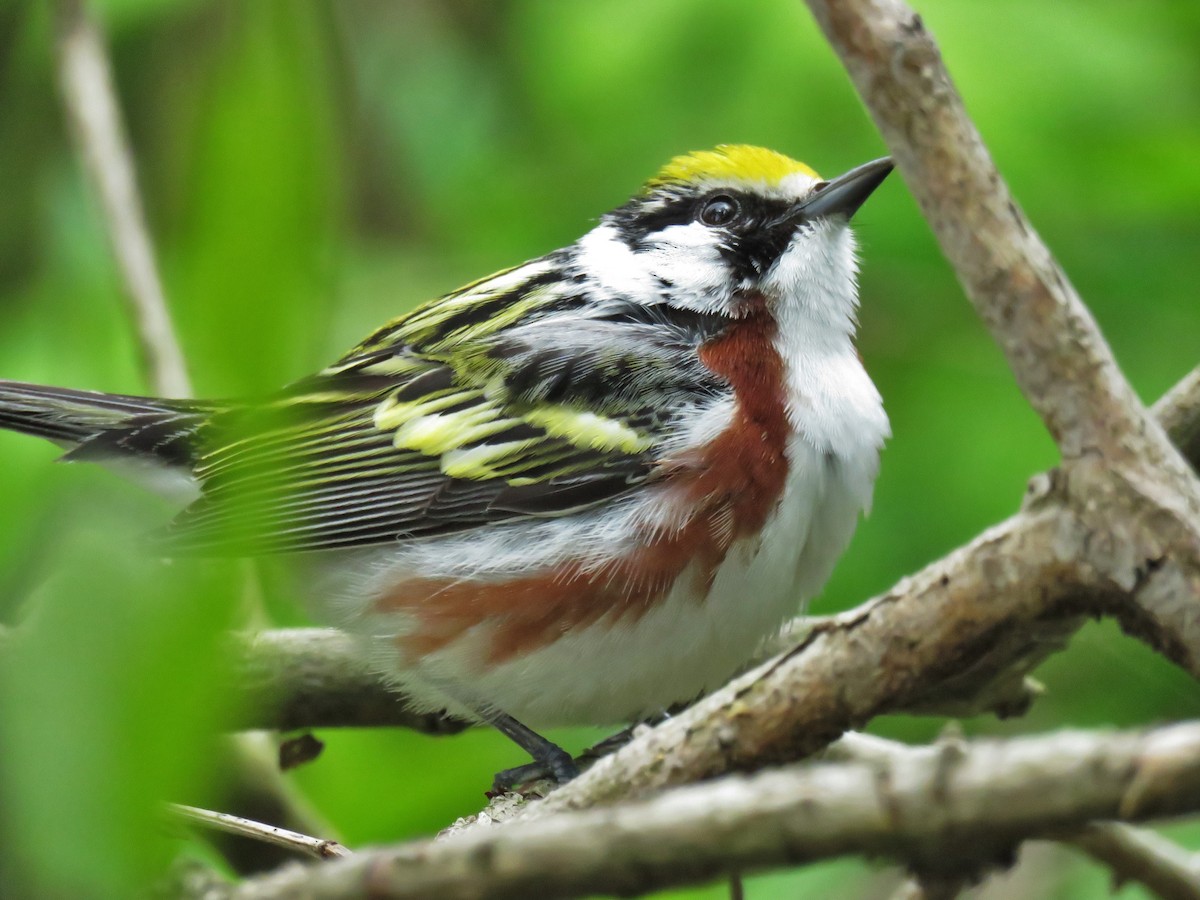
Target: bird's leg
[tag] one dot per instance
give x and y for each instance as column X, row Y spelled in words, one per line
column 533, row 771
column 549, row 759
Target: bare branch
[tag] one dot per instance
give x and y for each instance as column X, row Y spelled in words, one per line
column 1129, row 487
column 950, row 810
column 1053, row 345
column 1142, row 856
column 878, row 657
column 312, row 678
column 1177, row 411
column 317, row 848
column 1132, row 854
column 95, row 116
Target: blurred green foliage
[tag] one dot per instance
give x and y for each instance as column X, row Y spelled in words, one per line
column 311, row 169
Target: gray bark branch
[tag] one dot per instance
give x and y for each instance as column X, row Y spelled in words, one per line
column 297, row 678
column 947, row 810
column 1132, row 854
column 1122, row 478
column 1053, row 346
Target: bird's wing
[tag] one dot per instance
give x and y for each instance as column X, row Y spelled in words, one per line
column 510, row 398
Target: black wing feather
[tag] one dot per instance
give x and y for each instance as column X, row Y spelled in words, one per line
column 314, row 470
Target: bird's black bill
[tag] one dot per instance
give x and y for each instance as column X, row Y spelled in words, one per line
column 846, row 193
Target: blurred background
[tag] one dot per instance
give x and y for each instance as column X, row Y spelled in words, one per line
column 311, row 169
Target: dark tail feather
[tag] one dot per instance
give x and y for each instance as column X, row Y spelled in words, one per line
column 97, row 426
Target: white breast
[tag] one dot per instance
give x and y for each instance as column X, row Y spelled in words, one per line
column 613, row 673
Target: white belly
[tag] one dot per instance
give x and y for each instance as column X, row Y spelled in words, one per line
column 611, row 673
column 617, row 670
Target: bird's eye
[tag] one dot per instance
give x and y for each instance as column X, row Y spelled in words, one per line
column 719, row 210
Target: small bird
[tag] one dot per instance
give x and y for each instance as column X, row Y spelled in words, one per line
column 578, row 491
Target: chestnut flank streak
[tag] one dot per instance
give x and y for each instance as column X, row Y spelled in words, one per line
column 733, row 484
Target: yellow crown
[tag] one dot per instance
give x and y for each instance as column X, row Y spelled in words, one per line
column 729, row 162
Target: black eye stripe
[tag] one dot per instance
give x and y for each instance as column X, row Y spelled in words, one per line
column 639, row 220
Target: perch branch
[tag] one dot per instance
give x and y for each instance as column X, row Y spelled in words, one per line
column 851, row 667
column 947, row 810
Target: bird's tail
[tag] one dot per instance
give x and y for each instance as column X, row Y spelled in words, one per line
column 100, row 427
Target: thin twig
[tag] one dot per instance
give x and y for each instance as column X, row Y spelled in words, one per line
column 87, row 86
column 317, row 848
column 95, row 115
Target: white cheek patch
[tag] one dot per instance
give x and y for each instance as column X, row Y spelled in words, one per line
column 613, row 265
column 681, row 261
column 688, row 258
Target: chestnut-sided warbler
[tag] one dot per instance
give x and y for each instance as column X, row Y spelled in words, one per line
column 581, row 490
